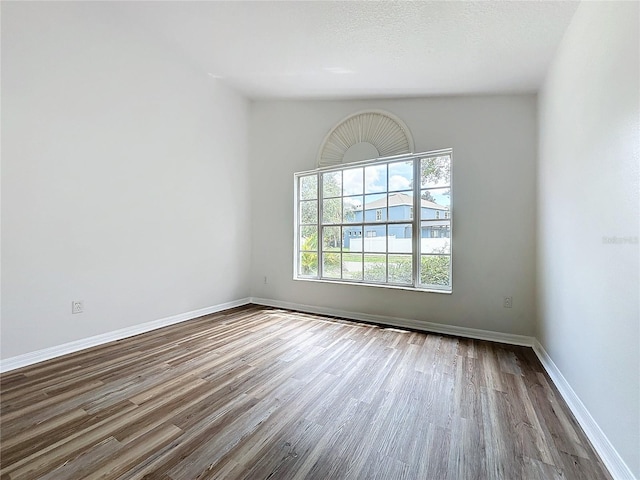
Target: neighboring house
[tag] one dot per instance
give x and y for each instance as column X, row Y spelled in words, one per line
column 400, row 208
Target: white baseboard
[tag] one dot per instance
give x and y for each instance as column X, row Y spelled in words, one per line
column 403, row 322
column 48, row 353
column 609, row 455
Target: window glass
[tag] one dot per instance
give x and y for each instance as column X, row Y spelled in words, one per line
column 361, row 223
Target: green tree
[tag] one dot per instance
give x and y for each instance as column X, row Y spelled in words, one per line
column 334, row 209
column 426, row 195
column 309, row 257
column 400, row 269
column 435, row 171
column 434, row 269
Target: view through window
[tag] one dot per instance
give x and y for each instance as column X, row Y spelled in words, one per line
column 356, row 223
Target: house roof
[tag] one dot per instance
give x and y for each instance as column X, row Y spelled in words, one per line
column 399, row 198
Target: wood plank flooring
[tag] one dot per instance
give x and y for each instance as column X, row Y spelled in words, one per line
column 260, row 393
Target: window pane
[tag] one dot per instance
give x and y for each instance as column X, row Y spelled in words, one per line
column 352, row 209
column 400, row 268
column 331, row 184
column 400, row 205
column 355, row 222
column 375, row 208
column 308, row 238
column 434, row 269
column 400, row 240
column 435, row 237
column 375, row 268
column 400, row 176
column 352, row 266
column 352, row 238
column 309, row 212
column 308, row 265
column 375, row 179
column 435, row 199
column 375, row 238
column 331, row 238
column 309, row 187
column 331, row 265
column 435, row 171
column 332, row 210
column 352, row 181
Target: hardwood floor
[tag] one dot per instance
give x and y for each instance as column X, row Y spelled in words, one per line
column 260, row 393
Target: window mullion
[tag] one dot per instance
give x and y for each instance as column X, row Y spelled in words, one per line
column 417, row 217
column 386, row 227
column 394, row 274
column 320, row 226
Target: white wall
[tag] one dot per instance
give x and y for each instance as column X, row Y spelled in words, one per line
column 124, row 178
column 494, row 147
column 124, row 184
column 588, row 193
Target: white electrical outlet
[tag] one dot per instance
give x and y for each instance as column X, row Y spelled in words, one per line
column 76, row 306
column 507, row 302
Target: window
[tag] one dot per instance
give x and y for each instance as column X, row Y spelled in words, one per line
column 377, row 222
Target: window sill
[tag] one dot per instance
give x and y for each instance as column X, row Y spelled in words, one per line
column 375, row 285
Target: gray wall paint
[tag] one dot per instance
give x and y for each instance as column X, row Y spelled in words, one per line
column 494, row 147
column 119, row 164
column 588, row 190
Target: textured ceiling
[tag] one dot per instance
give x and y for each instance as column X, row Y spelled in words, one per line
column 362, row 49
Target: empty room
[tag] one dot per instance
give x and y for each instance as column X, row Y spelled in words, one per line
column 320, row 240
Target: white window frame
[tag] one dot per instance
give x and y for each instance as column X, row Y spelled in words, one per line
column 415, row 221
